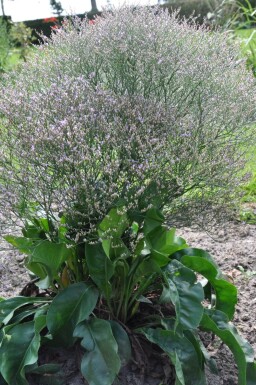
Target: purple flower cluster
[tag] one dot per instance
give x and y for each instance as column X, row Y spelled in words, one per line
column 103, row 112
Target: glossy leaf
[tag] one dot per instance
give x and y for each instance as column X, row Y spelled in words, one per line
column 123, row 342
column 114, row 223
column 181, row 352
column 24, row 245
column 202, row 262
column 46, row 260
column 35, row 229
column 70, row 307
column 185, row 294
column 153, row 219
column 8, row 306
column 217, row 322
column 162, row 243
column 21, row 314
column 101, row 363
column 101, row 268
column 19, row 349
column 115, row 249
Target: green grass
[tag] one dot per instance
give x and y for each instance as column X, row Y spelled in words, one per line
column 14, row 58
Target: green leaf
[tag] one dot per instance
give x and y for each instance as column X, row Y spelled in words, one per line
column 135, row 228
column 24, row 245
column 182, row 354
column 70, row 307
column 34, row 230
column 202, row 262
column 217, row 322
column 114, row 223
column 185, row 294
column 19, row 349
column 115, row 249
column 251, row 373
column 153, row 219
column 162, row 243
column 46, row 260
column 101, row 363
column 8, row 306
column 44, row 224
column 123, row 342
column 101, row 268
column 29, row 311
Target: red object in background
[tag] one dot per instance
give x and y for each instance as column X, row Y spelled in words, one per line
column 92, row 22
column 50, row 20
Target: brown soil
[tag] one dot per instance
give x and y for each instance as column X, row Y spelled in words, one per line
column 234, row 248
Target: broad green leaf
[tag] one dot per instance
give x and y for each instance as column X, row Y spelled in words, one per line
column 114, row 223
column 34, row 230
column 186, row 295
column 202, row 353
column 70, row 307
column 181, row 352
column 217, row 322
column 162, row 243
column 147, row 267
column 23, row 314
column 202, row 262
column 44, row 224
column 46, row 259
column 8, row 306
column 251, row 373
column 101, row 363
column 101, row 268
column 153, row 219
column 19, row 349
column 190, row 335
column 115, row 249
column 24, row 245
column 123, row 342
column 209, row 360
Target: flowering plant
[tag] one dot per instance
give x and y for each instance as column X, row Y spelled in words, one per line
column 139, row 107
column 105, row 125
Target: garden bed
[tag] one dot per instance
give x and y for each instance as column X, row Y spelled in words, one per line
column 234, row 249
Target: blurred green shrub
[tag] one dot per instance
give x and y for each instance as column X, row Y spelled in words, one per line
column 5, row 44
column 22, row 37
column 15, row 43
